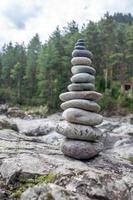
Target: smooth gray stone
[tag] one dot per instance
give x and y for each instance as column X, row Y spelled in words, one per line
column 82, row 104
column 80, row 40
column 81, row 53
column 81, row 61
column 83, row 69
column 79, row 132
column 80, row 47
column 90, row 95
column 79, row 116
column 81, row 87
column 80, row 43
column 83, row 78
column 81, row 150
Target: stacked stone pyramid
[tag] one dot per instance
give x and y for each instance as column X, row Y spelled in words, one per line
column 83, row 139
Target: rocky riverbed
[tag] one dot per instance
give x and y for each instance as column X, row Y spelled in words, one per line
column 33, row 167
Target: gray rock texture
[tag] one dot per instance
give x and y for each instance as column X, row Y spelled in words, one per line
column 81, row 87
column 79, row 116
column 82, row 78
column 80, row 61
column 83, row 69
column 81, row 53
column 90, row 95
column 82, row 104
column 79, row 132
column 108, row 176
column 81, row 149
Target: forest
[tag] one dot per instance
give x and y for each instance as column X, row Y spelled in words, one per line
column 35, row 74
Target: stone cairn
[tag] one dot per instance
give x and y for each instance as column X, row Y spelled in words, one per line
column 83, row 139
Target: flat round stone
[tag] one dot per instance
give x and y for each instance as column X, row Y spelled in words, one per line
column 81, row 87
column 80, row 43
column 79, row 132
column 83, row 69
column 82, row 104
column 82, row 78
column 81, row 40
column 80, row 47
column 81, row 53
column 81, row 61
column 78, row 116
column 90, row 95
column 81, row 150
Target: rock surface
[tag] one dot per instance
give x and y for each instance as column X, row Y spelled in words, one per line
column 109, row 176
column 79, row 116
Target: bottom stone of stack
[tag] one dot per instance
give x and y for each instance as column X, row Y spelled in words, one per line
column 79, row 132
column 81, row 150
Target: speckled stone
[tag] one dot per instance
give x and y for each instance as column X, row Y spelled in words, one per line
column 90, row 95
column 81, row 150
column 79, row 116
column 81, row 87
column 83, row 69
column 82, row 104
column 79, row 132
column 81, row 61
column 81, row 53
column 82, row 78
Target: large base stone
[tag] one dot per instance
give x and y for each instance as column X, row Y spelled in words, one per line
column 79, row 132
column 79, row 116
column 80, row 149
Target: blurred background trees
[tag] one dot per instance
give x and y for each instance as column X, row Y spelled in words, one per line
column 37, row 74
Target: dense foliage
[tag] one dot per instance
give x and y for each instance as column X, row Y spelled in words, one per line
column 38, row 73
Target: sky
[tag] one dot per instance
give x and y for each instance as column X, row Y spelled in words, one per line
column 20, row 20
